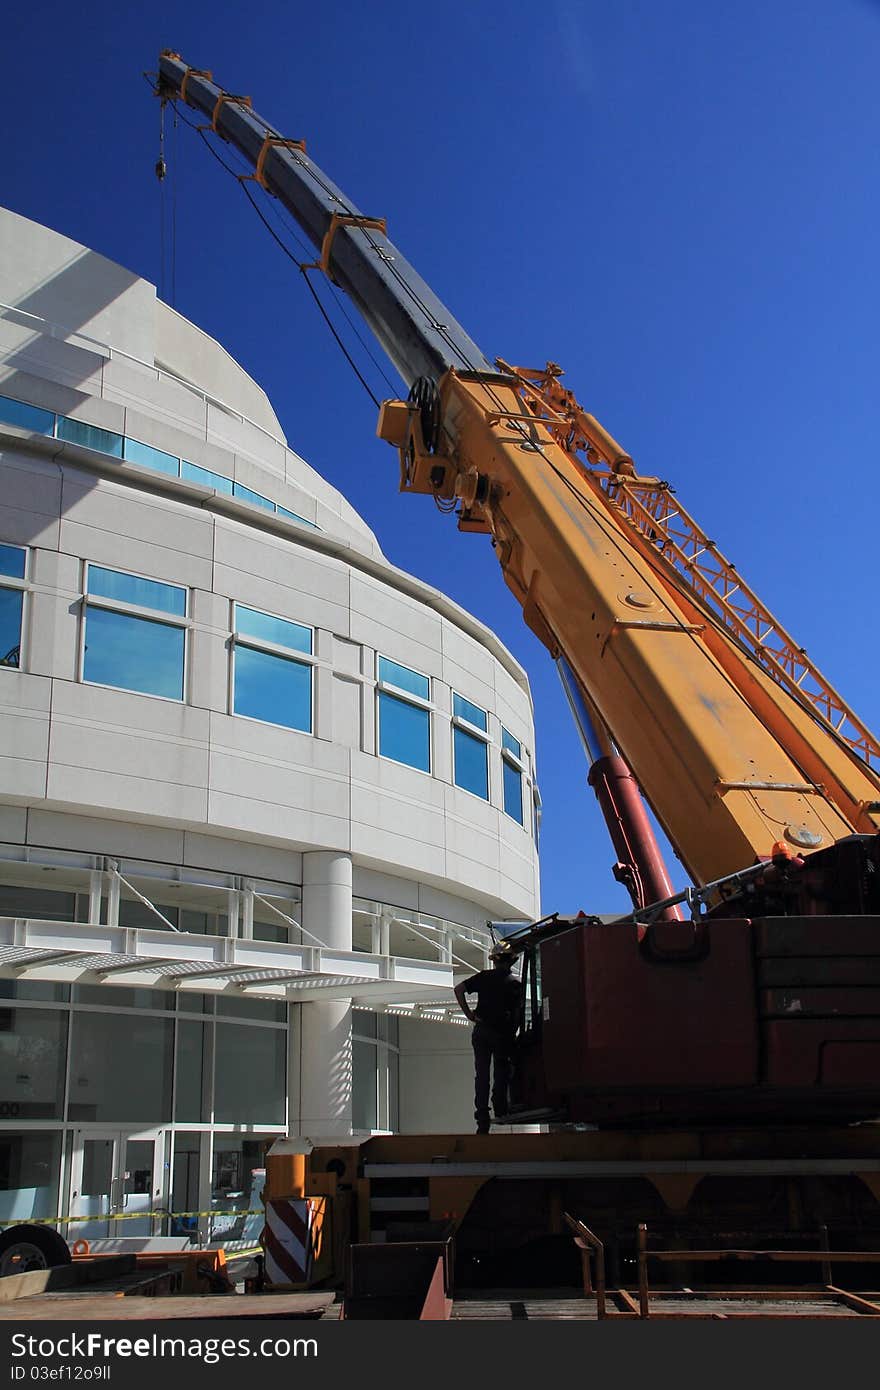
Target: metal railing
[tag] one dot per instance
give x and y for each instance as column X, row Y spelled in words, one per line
column 589, row 1245
column 823, row 1256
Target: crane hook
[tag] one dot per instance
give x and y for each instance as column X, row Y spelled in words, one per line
column 161, row 167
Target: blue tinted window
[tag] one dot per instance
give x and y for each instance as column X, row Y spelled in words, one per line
column 133, row 653
column 294, row 516
column 28, row 417
column 471, row 757
column 148, row 457
column 130, row 588
column 10, row 627
column 77, row 432
column 404, row 732
column 513, row 798
column 194, row 474
column 404, row 678
column 251, row 623
column 274, row 688
column 472, row 713
column 510, row 743
column 245, row 494
column 12, row 561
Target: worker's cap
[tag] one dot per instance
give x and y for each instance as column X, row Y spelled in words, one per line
column 501, row 951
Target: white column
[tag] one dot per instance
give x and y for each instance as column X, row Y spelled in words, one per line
column 96, row 893
column 325, row 1046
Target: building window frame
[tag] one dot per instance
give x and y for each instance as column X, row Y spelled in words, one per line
column 181, row 622
column 16, row 584
column 381, row 1036
column 250, row 642
column 468, row 729
column 128, row 449
column 401, row 695
column 513, row 760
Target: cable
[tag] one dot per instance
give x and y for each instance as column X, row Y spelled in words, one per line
column 345, row 351
column 337, row 295
column 161, row 171
column 292, row 230
column 333, row 195
column 174, row 214
column 301, row 266
column 162, row 216
column 304, row 269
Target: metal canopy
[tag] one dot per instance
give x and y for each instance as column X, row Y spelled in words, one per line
column 190, row 963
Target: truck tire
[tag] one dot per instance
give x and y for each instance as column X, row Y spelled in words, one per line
column 23, row 1248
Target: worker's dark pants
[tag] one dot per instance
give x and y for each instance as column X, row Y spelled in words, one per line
column 492, row 1053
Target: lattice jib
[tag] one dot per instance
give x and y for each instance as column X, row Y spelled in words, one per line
column 651, row 508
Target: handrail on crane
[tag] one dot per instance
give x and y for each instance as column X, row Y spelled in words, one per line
column 650, row 507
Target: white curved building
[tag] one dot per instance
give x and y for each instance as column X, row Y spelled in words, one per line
column 260, row 791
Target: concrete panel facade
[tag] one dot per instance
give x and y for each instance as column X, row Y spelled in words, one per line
column 436, row 1078
column 188, row 789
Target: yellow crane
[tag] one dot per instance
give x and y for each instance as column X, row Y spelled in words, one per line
column 756, row 988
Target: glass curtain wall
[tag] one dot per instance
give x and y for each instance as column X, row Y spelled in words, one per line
column 85, row 1060
column 375, row 1071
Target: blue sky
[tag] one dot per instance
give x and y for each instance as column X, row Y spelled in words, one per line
column 677, row 201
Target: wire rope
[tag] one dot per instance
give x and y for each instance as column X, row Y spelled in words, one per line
column 302, row 266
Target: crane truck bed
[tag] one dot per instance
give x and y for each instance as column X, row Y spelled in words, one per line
column 502, row 1197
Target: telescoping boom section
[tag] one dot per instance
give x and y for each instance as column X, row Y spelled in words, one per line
column 762, row 999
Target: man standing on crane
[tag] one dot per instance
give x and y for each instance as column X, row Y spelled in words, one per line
column 495, row 1018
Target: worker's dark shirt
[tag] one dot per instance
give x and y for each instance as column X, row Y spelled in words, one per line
column 498, row 998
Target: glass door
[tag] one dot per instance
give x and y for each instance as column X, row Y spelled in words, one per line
column 116, row 1184
column 95, row 1162
column 139, row 1186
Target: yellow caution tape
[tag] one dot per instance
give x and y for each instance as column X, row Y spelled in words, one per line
column 124, row 1216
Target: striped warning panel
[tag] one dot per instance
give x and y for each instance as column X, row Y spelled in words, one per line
column 287, row 1240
